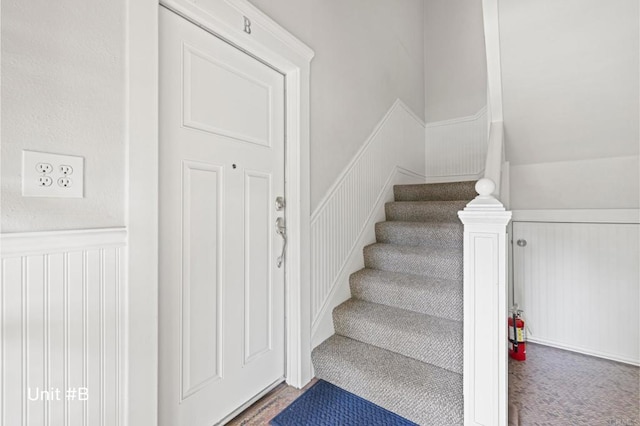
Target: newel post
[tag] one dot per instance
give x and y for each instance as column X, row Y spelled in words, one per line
column 485, row 308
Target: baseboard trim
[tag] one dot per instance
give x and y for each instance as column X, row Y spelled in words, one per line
column 604, row 355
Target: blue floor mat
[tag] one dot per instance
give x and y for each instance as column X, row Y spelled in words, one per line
column 325, row 404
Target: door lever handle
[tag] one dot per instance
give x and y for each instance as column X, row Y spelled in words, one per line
column 281, row 230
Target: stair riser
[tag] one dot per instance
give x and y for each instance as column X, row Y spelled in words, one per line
column 424, row 212
column 437, row 265
column 434, row 236
column 435, row 192
column 440, row 348
column 432, row 298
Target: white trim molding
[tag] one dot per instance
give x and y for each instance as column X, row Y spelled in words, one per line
column 141, row 301
column 482, row 112
column 271, row 44
column 63, row 327
column 485, row 309
column 578, row 216
column 395, row 146
column 30, row 243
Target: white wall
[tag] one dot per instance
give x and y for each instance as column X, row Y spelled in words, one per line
column 606, row 183
column 368, row 53
column 455, row 60
column 570, row 74
column 63, row 91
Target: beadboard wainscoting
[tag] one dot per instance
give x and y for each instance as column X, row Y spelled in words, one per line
column 62, row 326
column 394, row 153
column 457, row 149
column 579, row 283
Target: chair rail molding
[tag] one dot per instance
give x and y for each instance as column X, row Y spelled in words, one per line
column 485, row 308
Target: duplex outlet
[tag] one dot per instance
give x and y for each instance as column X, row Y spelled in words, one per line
column 45, row 181
column 65, row 182
column 44, row 168
column 52, row 175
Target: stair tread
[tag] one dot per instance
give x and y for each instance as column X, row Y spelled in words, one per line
column 418, row 293
column 436, row 191
column 421, row 392
column 437, row 262
column 416, row 335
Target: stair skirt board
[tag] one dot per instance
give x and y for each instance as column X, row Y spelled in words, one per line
column 398, row 339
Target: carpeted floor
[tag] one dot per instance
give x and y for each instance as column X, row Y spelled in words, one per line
column 558, row 387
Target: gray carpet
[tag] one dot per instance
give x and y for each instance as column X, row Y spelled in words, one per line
column 398, row 340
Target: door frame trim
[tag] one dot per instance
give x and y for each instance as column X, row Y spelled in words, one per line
column 275, row 46
column 140, row 397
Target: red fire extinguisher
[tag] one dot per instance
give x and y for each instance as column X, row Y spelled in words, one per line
column 517, row 338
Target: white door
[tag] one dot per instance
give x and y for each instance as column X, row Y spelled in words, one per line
column 221, row 169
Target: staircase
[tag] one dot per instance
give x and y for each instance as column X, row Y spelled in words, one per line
column 398, row 340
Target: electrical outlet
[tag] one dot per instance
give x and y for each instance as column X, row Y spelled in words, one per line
column 44, row 168
column 52, row 175
column 65, row 182
column 45, row 181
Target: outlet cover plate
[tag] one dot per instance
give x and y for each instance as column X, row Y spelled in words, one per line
column 31, row 186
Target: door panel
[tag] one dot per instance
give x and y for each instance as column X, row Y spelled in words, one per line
column 221, row 168
column 258, row 282
column 201, row 279
column 205, row 78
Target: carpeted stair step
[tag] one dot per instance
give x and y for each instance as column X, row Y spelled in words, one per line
column 433, row 262
column 436, row 191
column 424, row 211
column 427, row 295
column 439, row 234
column 426, row 338
column 421, row 392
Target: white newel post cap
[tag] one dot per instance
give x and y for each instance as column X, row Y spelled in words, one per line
column 485, row 187
column 485, row 208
